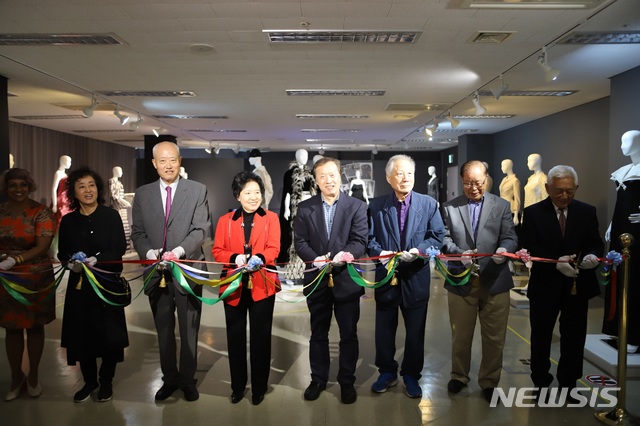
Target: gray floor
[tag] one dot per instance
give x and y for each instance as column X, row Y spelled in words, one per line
column 139, row 377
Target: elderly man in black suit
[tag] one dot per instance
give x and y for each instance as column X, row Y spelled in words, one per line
column 171, row 221
column 479, row 222
column 562, row 228
column 331, row 226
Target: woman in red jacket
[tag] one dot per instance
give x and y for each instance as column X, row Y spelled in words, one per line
column 248, row 238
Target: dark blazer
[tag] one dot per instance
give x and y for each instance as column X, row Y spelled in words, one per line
column 348, row 233
column 495, row 229
column 424, row 229
column 541, row 236
column 188, row 224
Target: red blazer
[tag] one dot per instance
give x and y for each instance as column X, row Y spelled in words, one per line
column 265, row 241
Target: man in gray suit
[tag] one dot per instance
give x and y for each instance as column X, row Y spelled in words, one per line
column 178, row 235
column 478, row 222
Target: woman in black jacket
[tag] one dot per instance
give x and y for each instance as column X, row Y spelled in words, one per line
column 91, row 327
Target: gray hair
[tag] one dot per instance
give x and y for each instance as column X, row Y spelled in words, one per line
column 154, row 149
column 389, row 167
column 560, row 172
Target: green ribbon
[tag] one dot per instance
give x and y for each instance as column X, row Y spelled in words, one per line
column 357, row 278
column 444, row 273
column 178, row 275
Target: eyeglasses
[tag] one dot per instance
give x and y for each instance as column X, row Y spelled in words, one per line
column 474, row 184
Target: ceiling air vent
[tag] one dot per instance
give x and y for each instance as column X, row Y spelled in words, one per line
column 602, row 37
column 528, row 4
column 331, row 36
column 59, row 39
column 558, row 93
column 352, row 116
column 150, row 93
column 216, row 131
column 335, row 92
column 47, row 117
column 483, row 117
column 491, row 36
column 329, row 130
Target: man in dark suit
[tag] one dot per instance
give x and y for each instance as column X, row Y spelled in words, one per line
column 408, row 222
column 331, row 227
column 478, row 222
column 562, row 228
column 178, row 236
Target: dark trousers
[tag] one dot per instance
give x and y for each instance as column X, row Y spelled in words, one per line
column 543, row 313
column 260, row 322
column 386, row 327
column 322, row 306
column 165, row 302
column 89, row 369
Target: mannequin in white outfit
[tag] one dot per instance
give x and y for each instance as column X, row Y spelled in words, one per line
column 510, row 189
column 433, row 187
column 255, row 159
column 358, row 188
column 183, row 173
column 117, row 200
column 60, row 175
column 535, row 190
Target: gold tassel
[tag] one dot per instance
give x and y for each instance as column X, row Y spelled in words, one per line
column 250, row 284
column 330, row 280
column 394, row 280
column 79, row 285
column 574, row 289
column 163, row 281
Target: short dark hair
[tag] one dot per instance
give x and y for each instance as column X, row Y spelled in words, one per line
column 473, row 163
column 21, row 174
column 241, row 179
column 325, row 160
column 75, row 176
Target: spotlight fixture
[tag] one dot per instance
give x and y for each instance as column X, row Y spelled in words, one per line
column 476, row 103
column 236, row 149
column 123, row 118
column 431, row 130
column 135, row 124
column 157, row 131
column 498, row 91
column 208, row 150
column 550, row 73
column 321, row 151
column 374, row 151
column 217, row 150
column 88, row 111
column 454, row 123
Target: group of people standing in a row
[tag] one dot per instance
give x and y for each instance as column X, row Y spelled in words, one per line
column 171, row 221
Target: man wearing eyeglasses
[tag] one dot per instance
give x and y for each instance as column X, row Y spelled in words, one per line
column 482, row 223
column 562, row 228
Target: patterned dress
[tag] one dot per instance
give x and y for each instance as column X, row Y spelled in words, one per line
column 116, row 197
column 18, row 232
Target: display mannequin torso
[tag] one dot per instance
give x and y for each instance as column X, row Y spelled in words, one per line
column 534, row 190
column 433, row 187
column 510, row 189
column 261, row 171
column 358, row 188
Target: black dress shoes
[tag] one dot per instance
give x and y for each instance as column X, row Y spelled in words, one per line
column 165, row 392
column 487, row 394
column 191, row 392
column 257, row 399
column 236, row 397
column 348, row 394
column 455, row 386
column 313, row 391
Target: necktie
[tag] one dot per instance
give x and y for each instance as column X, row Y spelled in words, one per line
column 167, row 212
column 562, row 219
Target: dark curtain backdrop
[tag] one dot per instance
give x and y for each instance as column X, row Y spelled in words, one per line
column 39, row 150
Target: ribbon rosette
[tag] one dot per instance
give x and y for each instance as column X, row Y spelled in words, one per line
column 432, row 252
column 79, row 256
column 614, row 257
column 525, row 257
column 254, row 263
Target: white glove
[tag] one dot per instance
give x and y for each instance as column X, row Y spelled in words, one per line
column 337, row 259
column 407, row 256
column 320, row 261
column 467, row 260
column 91, row 261
column 241, row 260
column 179, row 252
column 152, row 255
column 8, row 263
column 499, row 259
column 75, row 266
column 590, row 261
column 566, row 268
column 386, row 253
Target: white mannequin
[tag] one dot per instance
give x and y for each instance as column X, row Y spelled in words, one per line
column 316, row 158
column 117, row 197
column 65, row 163
column 358, row 181
column 433, row 186
column 630, row 147
column 510, row 189
column 302, row 156
column 183, row 173
column 488, row 184
column 535, row 190
column 261, row 171
column 11, row 161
